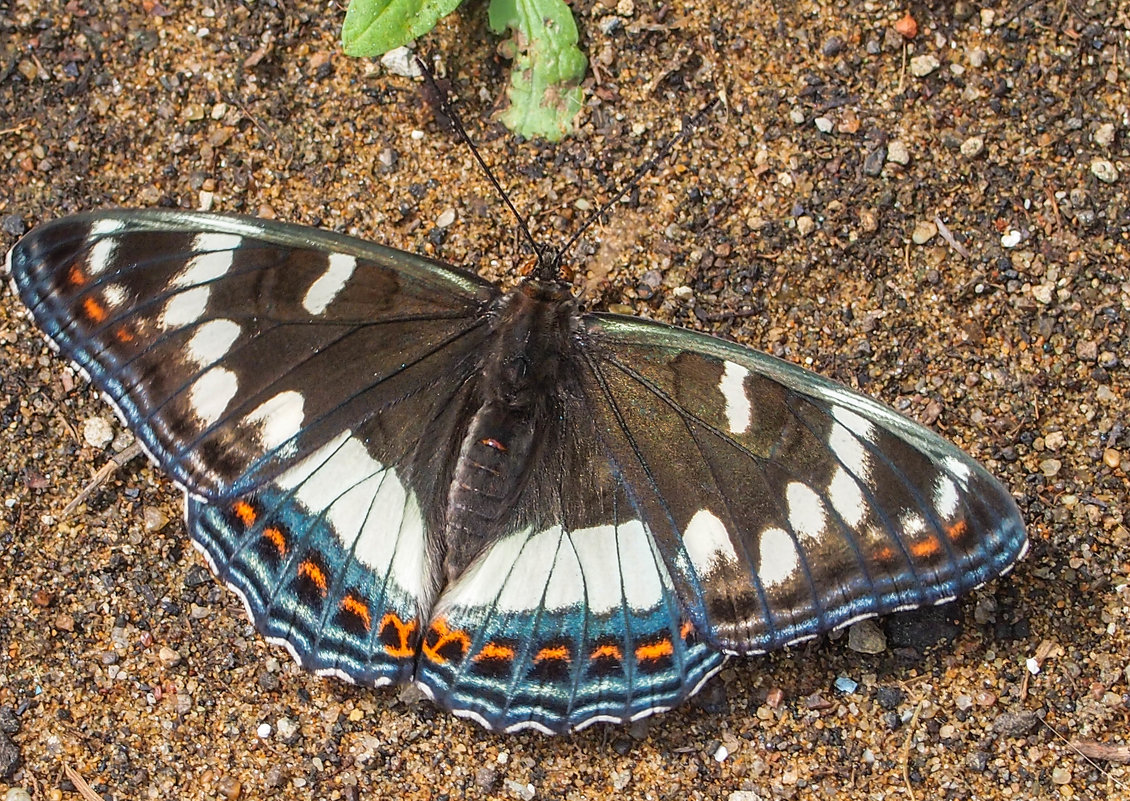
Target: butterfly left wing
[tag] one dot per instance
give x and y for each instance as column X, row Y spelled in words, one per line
column 295, row 382
column 786, row 505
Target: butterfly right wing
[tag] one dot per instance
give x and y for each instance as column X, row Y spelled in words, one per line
column 298, row 384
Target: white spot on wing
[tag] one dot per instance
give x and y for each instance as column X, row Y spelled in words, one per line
column 101, row 255
column 602, row 567
column 280, row 418
column 214, row 256
column 847, row 498
column 370, row 511
column 211, row 394
column 708, row 543
column 807, row 515
column 114, row 294
column 732, row 386
column 778, row 560
column 185, row 308
column 960, row 470
column 845, row 442
column 946, row 497
column 211, row 341
column 322, row 292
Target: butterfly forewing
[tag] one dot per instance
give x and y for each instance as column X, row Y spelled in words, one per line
column 786, row 505
column 226, row 342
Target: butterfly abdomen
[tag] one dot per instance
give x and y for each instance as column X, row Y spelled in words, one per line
column 530, row 335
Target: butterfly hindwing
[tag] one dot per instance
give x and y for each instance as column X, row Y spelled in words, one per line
column 786, row 505
column 571, row 618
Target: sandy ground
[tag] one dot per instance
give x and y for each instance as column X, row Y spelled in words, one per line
column 808, row 217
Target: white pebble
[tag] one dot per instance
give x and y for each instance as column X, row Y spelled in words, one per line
column 1104, row 171
column 823, row 124
column 264, row 731
column 400, row 61
column 921, row 66
column 898, row 152
column 98, row 432
column 973, row 147
column 1010, row 239
column 446, row 218
column 1104, row 135
column 1032, row 665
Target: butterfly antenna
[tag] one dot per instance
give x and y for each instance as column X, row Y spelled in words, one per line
column 645, row 168
column 457, row 124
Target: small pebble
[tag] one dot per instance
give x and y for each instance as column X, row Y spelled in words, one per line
column 743, row 795
column 923, row 232
column 1061, row 775
column 907, row 26
column 1112, row 458
column 823, row 124
column 1104, row 135
column 1011, row 239
column 1015, row 724
column 168, row 657
column 963, row 702
column 921, row 66
column 973, row 147
column 401, row 61
column 287, row 728
column 446, row 218
column 263, row 731
column 898, row 153
column 775, row 696
column 873, row 162
column 1050, row 467
column 229, row 788
column 805, row 225
column 1055, row 440
column 98, row 432
column 154, row 519
column 17, row 794
column 865, row 637
column 524, row 791
column 846, row 685
column 1104, row 171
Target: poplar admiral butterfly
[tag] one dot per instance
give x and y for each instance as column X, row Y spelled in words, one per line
column 543, row 516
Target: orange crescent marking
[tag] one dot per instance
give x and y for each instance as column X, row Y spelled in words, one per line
column 652, row 651
column 94, row 310
column 404, row 633
column 314, row 573
column 491, row 442
column 957, row 530
column 123, row 335
column 493, row 650
column 606, row 651
column 686, row 630
column 245, row 512
column 556, row 652
column 75, row 276
column 445, row 636
column 357, row 607
column 928, row 547
column 278, row 539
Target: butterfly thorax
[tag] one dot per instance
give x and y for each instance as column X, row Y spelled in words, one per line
column 531, row 331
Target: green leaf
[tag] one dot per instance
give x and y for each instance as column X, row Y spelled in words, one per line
column 373, row 27
column 545, row 95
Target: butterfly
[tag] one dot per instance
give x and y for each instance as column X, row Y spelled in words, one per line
column 545, row 517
